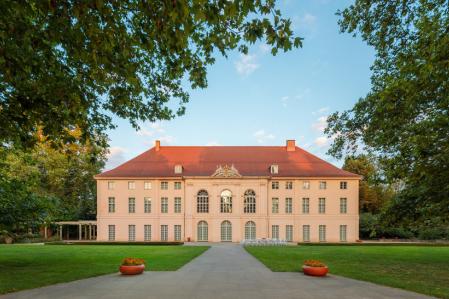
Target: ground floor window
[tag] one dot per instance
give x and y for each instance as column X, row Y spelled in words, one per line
column 306, row 233
column 322, row 233
column 177, row 232
column 164, row 232
column 275, row 231
column 147, row 232
column 202, row 230
column 289, row 233
column 111, row 232
column 226, row 231
column 131, row 232
column 250, row 230
column 343, row 233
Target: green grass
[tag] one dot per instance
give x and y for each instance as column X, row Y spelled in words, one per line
column 416, row 268
column 31, row 266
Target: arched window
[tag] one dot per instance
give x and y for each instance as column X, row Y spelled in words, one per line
column 202, row 202
column 226, row 231
column 250, row 230
column 249, row 202
column 203, row 231
column 226, row 201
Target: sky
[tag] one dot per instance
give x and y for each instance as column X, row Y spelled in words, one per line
column 260, row 99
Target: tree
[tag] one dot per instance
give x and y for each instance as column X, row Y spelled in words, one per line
column 67, row 64
column 404, row 119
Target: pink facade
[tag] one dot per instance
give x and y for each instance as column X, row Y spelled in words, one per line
column 227, row 205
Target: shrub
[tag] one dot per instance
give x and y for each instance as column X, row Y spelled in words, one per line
column 433, row 233
column 131, row 261
column 314, row 263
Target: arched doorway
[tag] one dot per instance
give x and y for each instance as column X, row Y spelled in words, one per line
column 226, row 231
column 250, row 230
column 203, row 231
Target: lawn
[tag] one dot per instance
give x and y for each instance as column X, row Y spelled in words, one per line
column 421, row 269
column 31, row 266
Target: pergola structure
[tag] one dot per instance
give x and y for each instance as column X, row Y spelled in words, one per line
column 87, row 229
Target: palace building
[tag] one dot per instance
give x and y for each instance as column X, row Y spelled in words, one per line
column 227, row 194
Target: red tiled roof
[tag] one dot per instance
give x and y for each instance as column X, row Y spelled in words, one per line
column 248, row 160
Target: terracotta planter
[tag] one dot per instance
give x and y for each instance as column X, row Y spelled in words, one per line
column 315, row 271
column 132, row 270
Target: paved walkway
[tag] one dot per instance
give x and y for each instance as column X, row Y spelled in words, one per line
column 224, row 271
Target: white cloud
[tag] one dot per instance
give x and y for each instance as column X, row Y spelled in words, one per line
column 262, row 136
column 321, row 111
column 115, row 157
column 213, row 143
column 155, row 131
column 322, row 141
column 264, row 48
column 246, row 64
column 308, row 19
column 284, row 101
column 320, row 124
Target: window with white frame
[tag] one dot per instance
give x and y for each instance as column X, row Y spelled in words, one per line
column 147, row 185
column 147, row 204
column 275, row 205
column 289, row 185
column 131, row 232
column 250, row 230
column 306, row 233
column 111, row 232
column 164, row 185
column 305, row 205
column 164, row 204
column 226, row 231
column 289, row 233
column 177, row 232
column 322, row 233
column 111, row 185
column 226, row 201
column 177, row 186
column 249, row 201
column 177, row 204
column 131, row 205
column 274, row 185
column 275, row 232
column 343, row 205
column 343, row 185
column 147, row 232
column 202, row 202
column 164, row 232
column 322, row 205
column 323, row 185
column 111, row 204
column 306, row 185
column 131, row 185
column 288, row 205
column 202, row 231
column 343, row 233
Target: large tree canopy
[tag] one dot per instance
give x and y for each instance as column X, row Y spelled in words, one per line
column 66, row 64
column 404, row 119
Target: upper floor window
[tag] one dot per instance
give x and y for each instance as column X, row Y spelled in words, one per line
column 343, row 185
column 275, row 205
column 274, row 185
column 305, row 205
column 289, row 185
column 202, row 202
column 321, row 205
column 147, row 204
column 111, row 185
column 177, row 204
column 147, row 185
column 164, row 185
column 288, row 205
column 164, row 204
column 343, row 205
column 177, row 185
column 226, row 201
column 249, row 202
column 131, row 185
column 323, row 185
column 131, row 205
column 111, row 204
column 306, row 185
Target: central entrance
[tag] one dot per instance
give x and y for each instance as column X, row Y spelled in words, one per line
column 226, row 231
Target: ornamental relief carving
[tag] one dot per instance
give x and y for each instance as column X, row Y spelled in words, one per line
column 226, row 171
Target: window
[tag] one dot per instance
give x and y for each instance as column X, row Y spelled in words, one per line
column 249, row 202
column 343, row 185
column 226, row 201
column 343, row 205
column 177, row 185
column 111, row 185
column 164, row 185
column 306, row 185
column 177, row 232
column 250, row 230
column 322, row 232
column 343, row 233
column 274, row 169
column 275, row 232
column 202, row 202
column 306, row 233
column 289, row 185
column 147, row 204
column 164, row 204
column 275, row 205
column 131, row 205
column 274, row 185
column 164, row 232
column 131, row 232
column 178, row 169
column 147, row 185
column 111, row 204
column 202, row 231
column 226, row 231
column 177, row 204
column 147, row 232
column 321, row 205
column 289, row 233
column 288, row 205
column 131, row 185
column 305, row 205
column 111, row 232
column 323, row 185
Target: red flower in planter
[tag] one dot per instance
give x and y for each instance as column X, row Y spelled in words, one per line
column 314, row 268
column 132, row 266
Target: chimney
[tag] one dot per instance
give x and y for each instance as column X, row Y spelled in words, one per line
column 157, row 145
column 291, row 147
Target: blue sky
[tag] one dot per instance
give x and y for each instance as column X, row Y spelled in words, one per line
column 259, row 99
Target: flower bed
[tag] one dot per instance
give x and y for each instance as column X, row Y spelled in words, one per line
column 132, row 266
column 314, row 268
